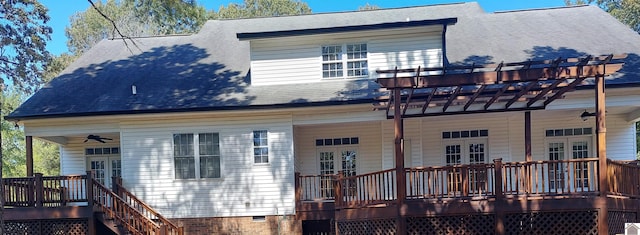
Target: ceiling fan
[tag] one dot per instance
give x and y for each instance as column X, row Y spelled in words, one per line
column 97, row 138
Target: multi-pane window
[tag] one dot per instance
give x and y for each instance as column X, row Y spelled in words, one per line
column 206, row 156
column 209, row 146
column 344, row 61
column 260, row 146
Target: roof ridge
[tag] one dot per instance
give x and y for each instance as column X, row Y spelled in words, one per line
column 540, row 9
column 151, row 36
column 347, row 11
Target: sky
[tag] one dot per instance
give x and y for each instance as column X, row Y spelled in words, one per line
column 60, row 11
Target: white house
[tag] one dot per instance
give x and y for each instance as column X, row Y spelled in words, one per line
column 210, row 129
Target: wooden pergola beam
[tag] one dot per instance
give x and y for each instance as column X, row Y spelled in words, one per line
column 496, row 96
column 544, row 92
column 474, row 97
column 451, row 98
column 493, row 77
column 521, row 93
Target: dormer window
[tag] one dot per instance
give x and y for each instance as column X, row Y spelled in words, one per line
column 344, row 61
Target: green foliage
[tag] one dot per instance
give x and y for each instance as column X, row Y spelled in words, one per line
column 261, row 8
column 368, row 7
column 23, row 37
column 134, row 18
column 46, row 157
column 626, row 11
column 56, row 65
column 13, row 157
column 170, row 16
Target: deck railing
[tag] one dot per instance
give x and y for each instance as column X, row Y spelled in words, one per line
column 114, row 207
column 566, row 178
column 550, row 177
column 624, row 178
column 316, row 187
column 366, row 189
column 474, row 180
column 44, row 191
column 166, row 226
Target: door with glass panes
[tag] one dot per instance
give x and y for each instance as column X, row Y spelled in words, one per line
column 333, row 160
column 468, row 151
column 104, row 163
column 560, row 149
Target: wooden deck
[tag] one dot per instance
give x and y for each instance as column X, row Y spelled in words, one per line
column 74, row 205
column 563, row 196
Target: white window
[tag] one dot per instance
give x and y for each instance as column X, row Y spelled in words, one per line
column 200, row 149
column 344, row 61
column 466, row 147
column 564, row 146
column 260, row 146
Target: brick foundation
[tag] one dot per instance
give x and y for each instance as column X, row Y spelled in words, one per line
column 240, row 225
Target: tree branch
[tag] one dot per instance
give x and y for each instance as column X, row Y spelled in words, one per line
column 115, row 28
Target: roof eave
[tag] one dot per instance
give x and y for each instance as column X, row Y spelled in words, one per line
column 183, row 110
column 341, row 29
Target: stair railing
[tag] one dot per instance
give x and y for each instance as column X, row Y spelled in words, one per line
column 167, row 226
column 125, row 215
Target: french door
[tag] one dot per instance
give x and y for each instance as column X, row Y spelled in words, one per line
column 468, row 151
column 103, row 168
column 333, row 160
column 560, row 149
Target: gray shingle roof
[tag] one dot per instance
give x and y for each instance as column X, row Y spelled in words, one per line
column 210, row 70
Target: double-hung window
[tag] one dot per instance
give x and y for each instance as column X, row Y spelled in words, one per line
column 260, row 146
column 199, row 149
column 344, row 61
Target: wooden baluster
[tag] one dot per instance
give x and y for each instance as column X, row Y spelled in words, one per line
column 337, row 190
column 498, row 178
column 39, row 188
column 89, row 189
column 465, row 180
column 298, row 189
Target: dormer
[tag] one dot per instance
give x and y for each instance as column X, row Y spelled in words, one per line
column 346, row 52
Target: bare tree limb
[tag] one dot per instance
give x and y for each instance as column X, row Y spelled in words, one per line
column 115, row 29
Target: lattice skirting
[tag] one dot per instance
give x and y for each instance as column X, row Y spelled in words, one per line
column 462, row 224
column 366, row 227
column 616, row 220
column 48, row 227
column 570, row 222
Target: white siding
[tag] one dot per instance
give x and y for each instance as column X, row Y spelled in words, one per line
column 499, row 138
column 298, row 59
column 369, row 151
column 72, row 160
column 245, row 189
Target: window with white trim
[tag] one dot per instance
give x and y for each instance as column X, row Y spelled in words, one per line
column 566, row 144
column 196, row 149
column 345, row 61
column 260, row 146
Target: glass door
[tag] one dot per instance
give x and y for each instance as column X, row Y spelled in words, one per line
column 346, row 162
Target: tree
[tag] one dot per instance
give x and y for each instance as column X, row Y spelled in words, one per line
column 368, row 7
column 24, row 35
column 170, row 16
column 261, row 8
column 132, row 18
column 626, row 11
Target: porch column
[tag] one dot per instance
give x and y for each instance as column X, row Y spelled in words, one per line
column 601, row 146
column 399, row 151
column 29, row 155
column 527, row 135
column 527, row 148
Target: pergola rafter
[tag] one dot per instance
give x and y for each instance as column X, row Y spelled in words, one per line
column 479, row 88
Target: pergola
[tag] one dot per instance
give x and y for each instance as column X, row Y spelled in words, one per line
column 518, row 86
